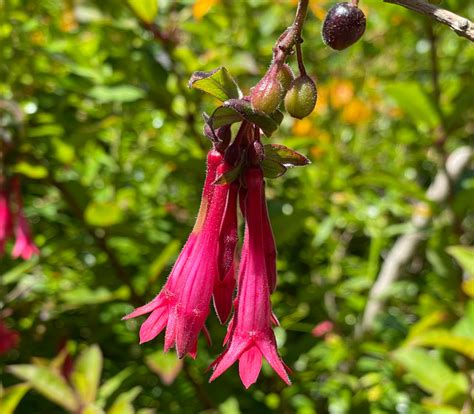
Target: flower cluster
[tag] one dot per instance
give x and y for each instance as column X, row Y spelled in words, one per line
column 206, row 268
column 13, row 223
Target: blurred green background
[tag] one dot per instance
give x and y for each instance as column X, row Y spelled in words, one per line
column 111, row 154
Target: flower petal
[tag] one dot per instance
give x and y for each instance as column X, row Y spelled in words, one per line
column 153, row 325
column 268, row 349
column 229, row 356
column 250, row 364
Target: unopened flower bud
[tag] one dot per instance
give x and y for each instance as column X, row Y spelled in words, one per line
column 285, row 76
column 301, row 97
column 267, row 95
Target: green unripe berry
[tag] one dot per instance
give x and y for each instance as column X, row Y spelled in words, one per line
column 301, row 97
column 285, row 76
column 267, row 95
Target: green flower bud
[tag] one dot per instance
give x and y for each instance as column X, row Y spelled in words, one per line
column 285, row 76
column 301, row 97
column 266, row 95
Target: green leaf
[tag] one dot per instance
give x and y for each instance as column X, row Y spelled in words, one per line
column 425, row 323
column 234, row 110
column 92, row 409
column 285, row 155
column 272, row 169
column 411, row 98
column 36, row 172
column 441, row 338
column 230, row 176
column 218, row 83
column 464, row 255
column 87, row 372
column 103, row 214
column 14, row 274
column 124, row 93
column 165, row 365
column 113, row 384
column 163, row 259
column 48, row 383
column 230, row 406
column 146, row 10
column 431, row 373
column 123, row 403
column 86, row 296
column 11, row 396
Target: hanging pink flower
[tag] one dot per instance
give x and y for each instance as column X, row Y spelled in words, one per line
column 8, row 338
column 322, row 328
column 228, row 237
column 24, row 246
column 182, row 306
column 5, row 219
column 250, row 335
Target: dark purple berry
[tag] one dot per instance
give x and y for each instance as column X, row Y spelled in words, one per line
column 343, row 26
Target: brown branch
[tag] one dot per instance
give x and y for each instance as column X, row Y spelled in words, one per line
column 461, row 25
column 405, row 247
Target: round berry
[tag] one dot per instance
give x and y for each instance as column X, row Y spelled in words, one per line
column 343, row 26
column 301, row 97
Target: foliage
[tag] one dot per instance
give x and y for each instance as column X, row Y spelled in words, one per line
column 111, row 153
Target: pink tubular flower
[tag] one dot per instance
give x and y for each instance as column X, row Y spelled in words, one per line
column 8, row 338
column 250, row 335
column 182, row 306
column 5, row 220
column 24, row 246
column 322, row 328
column 228, row 237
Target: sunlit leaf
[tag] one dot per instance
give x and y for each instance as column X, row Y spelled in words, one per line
column 464, row 255
column 218, row 83
column 426, row 323
column 163, row 259
column 32, row 171
column 285, row 155
column 103, row 214
column 165, row 365
column 11, row 396
column 87, row 372
column 113, row 384
column 146, row 10
column 124, row 93
column 123, row 403
column 48, row 383
column 431, row 373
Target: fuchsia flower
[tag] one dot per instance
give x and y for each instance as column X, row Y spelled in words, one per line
column 24, row 246
column 5, row 220
column 8, row 338
column 182, row 306
column 322, row 328
column 250, row 334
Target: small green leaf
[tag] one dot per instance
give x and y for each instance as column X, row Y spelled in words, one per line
column 112, row 384
column 103, row 214
column 464, row 255
column 11, row 396
column 163, row 259
column 431, row 373
column 411, row 98
column 272, row 169
column 92, row 409
column 86, row 296
column 441, row 338
column 14, row 274
column 165, row 365
column 87, row 372
column 229, row 176
column 36, row 172
column 230, row 406
column 48, row 383
column 234, row 110
column 146, row 10
column 218, row 83
column 123, row 403
column 124, row 93
column 285, row 155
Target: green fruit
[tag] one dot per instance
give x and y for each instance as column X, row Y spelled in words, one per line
column 285, row 76
column 267, row 95
column 301, row 97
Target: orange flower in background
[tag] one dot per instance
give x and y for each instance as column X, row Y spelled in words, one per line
column 357, row 112
column 202, row 7
column 341, row 92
